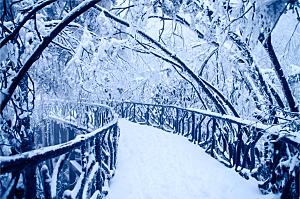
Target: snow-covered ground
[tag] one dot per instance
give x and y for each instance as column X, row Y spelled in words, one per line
column 153, row 164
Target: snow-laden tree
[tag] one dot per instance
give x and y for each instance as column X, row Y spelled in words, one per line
column 231, row 56
column 24, row 37
column 195, row 37
column 222, row 50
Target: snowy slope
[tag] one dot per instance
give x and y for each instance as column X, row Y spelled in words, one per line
column 153, row 164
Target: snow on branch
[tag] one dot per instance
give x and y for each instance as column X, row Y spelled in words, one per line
column 28, row 15
column 81, row 8
column 177, row 60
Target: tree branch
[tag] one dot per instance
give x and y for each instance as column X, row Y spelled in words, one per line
column 34, row 10
column 279, row 72
column 179, row 62
column 81, row 8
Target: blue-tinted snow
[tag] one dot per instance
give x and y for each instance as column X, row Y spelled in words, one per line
column 153, row 164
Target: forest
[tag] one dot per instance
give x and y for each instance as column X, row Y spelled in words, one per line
column 238, row 58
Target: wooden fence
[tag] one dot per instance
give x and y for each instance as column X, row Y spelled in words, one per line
column 250, row 148
column 76, row 159
column 80, row 140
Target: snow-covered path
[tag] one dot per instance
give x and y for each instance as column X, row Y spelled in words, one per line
column 153, row 164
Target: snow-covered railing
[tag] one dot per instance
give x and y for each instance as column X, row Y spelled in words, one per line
column 77, row 155
column 249, row 147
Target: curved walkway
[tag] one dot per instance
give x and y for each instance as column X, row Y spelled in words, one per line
column 153, row 164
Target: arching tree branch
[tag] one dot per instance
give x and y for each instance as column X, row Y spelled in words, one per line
column 28, row 15
column 81, row 8
column 182, row 65
column 279, row 72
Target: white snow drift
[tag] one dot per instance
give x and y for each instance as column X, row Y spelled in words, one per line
column 153, row 164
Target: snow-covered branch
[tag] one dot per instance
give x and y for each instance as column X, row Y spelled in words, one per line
column 81, row 8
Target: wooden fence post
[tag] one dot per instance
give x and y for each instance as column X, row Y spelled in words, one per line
column 213, row 138
column 111, row 148
column 193, row 128
column 98, row 151
column 183, row 127
column 161, row 118
column 84, row 164
column 46, row 180
column 147, row 115
column 115, row 141
column 29, row 172
column 133, row 115
column 72, row 175
column 30, row 181
column 177, row 121
column 96, row 121
column 122, row 109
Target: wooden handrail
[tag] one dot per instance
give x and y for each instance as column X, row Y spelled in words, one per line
column 17, row 162
column 94, row 146
column 229, row 118
column 233, row 141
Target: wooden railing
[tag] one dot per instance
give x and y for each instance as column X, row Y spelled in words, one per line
column 250, row 148
column 77, row 158
column 79, row 148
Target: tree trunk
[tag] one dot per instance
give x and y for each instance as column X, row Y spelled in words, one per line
column 279, row 72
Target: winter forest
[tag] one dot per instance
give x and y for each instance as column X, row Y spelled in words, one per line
column 237, row 62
